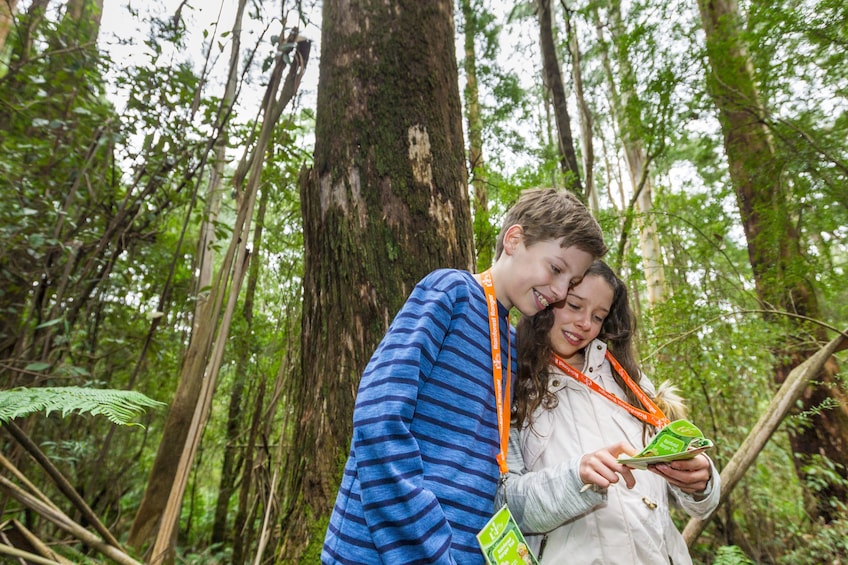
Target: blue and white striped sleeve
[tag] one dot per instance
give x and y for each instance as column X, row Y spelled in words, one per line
column 406, row 521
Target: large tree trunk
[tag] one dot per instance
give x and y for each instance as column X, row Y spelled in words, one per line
column 774, row 246
column 553, row 81
column 385, row 202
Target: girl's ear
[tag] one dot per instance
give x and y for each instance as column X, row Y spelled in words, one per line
column 513, row 237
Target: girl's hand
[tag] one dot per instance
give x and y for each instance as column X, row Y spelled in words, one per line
column 601, row 468
column 689, row 475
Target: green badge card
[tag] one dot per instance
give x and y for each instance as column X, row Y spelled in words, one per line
column 502, row 542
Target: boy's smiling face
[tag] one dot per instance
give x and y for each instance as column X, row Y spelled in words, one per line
column 538, row 275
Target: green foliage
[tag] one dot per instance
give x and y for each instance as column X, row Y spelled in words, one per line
column 731, row 555
column 119, row 406
column 819, row 543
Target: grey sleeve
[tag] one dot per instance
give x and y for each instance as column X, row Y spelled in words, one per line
column 701, row 508
column 543, row 500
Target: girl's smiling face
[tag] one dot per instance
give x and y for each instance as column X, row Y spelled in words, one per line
column 579, row 318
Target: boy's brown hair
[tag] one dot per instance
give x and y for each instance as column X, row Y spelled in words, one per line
column 550, row 214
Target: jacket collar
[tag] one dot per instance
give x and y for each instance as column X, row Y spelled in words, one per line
column 595, row 356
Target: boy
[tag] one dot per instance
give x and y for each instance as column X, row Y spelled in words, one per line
column 423, row 468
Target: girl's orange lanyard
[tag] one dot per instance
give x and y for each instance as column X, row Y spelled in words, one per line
column 653, row 416
column 502, row 399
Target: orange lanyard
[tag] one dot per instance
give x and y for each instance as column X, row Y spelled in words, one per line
column 653, row 416
column 502, row 399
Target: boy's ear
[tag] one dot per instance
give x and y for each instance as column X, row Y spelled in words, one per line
column 513, row 237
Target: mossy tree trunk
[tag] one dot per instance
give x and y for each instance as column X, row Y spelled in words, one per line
column 774, row 244
column 385, row 202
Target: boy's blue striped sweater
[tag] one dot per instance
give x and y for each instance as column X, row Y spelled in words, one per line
column 421, row 477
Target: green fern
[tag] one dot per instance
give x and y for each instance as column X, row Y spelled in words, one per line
column 120, row 406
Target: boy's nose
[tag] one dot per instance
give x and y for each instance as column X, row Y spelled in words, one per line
column 560, row 287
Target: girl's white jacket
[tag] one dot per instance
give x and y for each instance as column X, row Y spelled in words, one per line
column 619, row 525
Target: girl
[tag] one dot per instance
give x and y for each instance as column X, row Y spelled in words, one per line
column 565, row 483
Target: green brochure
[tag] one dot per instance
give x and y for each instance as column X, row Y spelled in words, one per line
column 502, row 542
column 680, row 439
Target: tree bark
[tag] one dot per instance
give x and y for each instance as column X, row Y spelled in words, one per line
column 774, row 244
column 553, row 81
column 385, row 203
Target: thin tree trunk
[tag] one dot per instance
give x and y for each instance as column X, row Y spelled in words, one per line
column 483, row 235
column 553, row 81
column 206, row 254
column 627, row 111
column 228, row 283
column 584, row 115
column 7, row 13
column 385, row 203
column 774, row 243
column 87, row 12
column 229, row 466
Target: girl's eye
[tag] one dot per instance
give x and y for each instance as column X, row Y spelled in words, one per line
column 573, row 306
column 599, row 319
column 556, row 269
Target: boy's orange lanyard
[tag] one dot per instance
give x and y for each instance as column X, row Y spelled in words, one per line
column 502, row 399
column 653, row 416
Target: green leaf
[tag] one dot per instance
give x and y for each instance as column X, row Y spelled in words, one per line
column 49, row 323
column 119, row 406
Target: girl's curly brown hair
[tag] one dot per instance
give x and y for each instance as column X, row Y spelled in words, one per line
column 534, row 349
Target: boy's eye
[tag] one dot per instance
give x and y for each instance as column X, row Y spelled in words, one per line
column 556, row 269
column 573, row 306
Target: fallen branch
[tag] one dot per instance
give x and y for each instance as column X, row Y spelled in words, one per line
column 29, row 557
column 37, row 545
column 61, row 520
column 61, row 482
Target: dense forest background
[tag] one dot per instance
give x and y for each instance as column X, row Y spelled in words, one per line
column 222, row 214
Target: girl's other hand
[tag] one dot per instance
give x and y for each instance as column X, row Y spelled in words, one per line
column 689, row 475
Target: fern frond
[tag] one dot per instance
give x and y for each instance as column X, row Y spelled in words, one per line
column 120, row 406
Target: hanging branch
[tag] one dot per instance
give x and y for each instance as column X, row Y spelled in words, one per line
column 232, row 271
